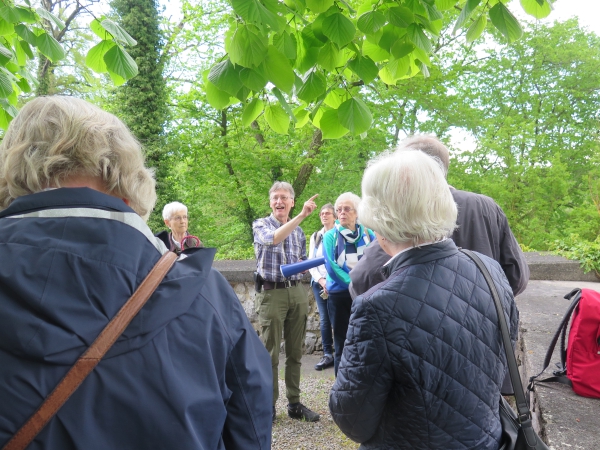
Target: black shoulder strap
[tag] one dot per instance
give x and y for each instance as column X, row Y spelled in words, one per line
column 318, row 237
column 559, row 375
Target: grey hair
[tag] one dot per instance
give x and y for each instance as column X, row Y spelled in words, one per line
column 329, row 206
column 430, row 145
column 55, row 138
column 355, row 199
column 171, row 208
column 406, row 198
column 282, row 185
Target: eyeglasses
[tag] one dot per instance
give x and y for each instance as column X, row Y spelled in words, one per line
column 283, row 198
column 179, row 218
column 326, row 213
column 345, row 209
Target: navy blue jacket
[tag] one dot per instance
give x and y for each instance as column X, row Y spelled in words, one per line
column 189, row 372
column 423, row 360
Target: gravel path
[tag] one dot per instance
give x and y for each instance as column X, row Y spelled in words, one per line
column 290, row 434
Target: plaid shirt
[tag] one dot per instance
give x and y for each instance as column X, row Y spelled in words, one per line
column 269, row 257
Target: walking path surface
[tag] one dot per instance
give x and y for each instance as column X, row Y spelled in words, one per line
column 566, row 420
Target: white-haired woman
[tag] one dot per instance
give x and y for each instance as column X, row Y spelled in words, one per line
column 343, row 246
column 423, row 362
column 188, row 372
column 176, row 219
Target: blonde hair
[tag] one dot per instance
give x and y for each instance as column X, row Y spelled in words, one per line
column 55, row 138
column 406, row 199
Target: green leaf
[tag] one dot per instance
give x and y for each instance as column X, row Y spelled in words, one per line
column 253, row 79
column 355, row 116
column 330, row 125
column 401, row 48
column 400, row 16
column 476, row 28
column 95, row 57
column 118, row 33
column 314, row 86
column 242, row 94
column 252, row 111
column 253, row 11
column 225, row 76
column 418, row 37
column 49, row 47
column 339, row 29
column 505, row 22
column 20, row 52
column 445, row 5
column 217, row 98
column 284, row 104
column 433, row 12
column 5, row 55
column 26, row 48
column 286, row 44
column 536, row 8
column 120, row 63
column 319, row 6
column 247, row 48
column 277, row 119
column 374, row 51
column 44, row 14
column 364, row 68
column 465, row 13
column 329, row 57
column 10, row 14
column 394, row 70
column 98, row 30
column 6, row 28
column 6, row 87
column 278, row 69
column 26, row 34
column 26, row 14
column 370, row 22
column 301, row 117
column 24, row 85
column 335, row 98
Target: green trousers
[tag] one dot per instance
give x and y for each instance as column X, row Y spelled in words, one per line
column 284, row 310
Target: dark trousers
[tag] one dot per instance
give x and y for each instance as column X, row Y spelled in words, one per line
column 339, row 305
column 324, row 322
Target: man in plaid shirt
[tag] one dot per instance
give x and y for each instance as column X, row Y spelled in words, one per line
column 283, row 304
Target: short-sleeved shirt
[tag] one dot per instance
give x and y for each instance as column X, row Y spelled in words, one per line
column 270, row 257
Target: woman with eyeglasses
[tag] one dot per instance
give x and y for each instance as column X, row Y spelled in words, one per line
column 318, row 283
column 343, row 246
column 177, row 239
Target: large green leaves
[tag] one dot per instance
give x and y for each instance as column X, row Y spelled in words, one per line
column 252, row 111
column 247, row 48
column 364, row 68
column 466, row 12
column 277, row 119
column 120, row 65
column 505, row 22
column 312, row 88
column 226, row 77
column 95, row 57
column 339, row 29
column 253, row 11
column 278, row 69
column 370, row 22
column 537, row 8
column 49, row 47
column 355, row 116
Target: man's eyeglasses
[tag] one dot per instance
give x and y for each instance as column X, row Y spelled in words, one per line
column 326, row 213
column 283, row 198
column 179, row 218
column 345, row 209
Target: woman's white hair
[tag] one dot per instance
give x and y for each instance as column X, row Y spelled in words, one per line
column 405, row 198
column 55, row 138
column 348, row 196
column 172, row 208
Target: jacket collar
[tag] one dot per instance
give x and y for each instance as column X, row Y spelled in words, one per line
column 420, row 255
column 65, row 198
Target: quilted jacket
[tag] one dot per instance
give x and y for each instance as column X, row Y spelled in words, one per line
column 423, row 360
column 188, row 373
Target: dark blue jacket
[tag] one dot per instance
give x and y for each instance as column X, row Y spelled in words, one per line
column 423, row 360
column 189, row 372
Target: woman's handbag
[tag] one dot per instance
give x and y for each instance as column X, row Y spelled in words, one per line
column 92, row 356
column 517, row 430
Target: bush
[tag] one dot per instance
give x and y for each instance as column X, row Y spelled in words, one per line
column 586, row 252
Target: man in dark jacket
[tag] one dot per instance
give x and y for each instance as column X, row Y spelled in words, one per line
column 481, row 226
column 189, row 372
column 423, row 361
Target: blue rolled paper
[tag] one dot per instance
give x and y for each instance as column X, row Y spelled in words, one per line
column 287, row 270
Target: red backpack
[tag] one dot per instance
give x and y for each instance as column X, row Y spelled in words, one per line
column 580, row 359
